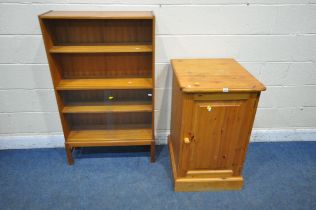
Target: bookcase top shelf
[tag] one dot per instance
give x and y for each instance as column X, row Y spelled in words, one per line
column 97, row 15
column 101, row 49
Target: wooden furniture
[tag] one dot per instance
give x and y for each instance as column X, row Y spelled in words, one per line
column 214, row 102
column 102, row 67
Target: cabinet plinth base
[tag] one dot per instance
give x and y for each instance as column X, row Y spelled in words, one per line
column 190, row 184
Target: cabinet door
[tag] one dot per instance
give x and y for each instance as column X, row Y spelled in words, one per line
column 211, row 143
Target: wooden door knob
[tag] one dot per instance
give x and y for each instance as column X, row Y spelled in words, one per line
column 186, row 140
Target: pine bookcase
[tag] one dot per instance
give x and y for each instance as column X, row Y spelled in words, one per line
column 102, row 67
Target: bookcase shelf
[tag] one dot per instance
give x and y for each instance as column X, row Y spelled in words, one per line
column 108, row 108
column 111, row 137
column 94, row 84
column 101, row 49
column 102, row 68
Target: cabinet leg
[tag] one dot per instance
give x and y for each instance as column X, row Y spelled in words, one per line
column 69, row 154
column 152, row 152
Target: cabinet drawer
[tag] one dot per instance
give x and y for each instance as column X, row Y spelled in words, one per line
column 220, row 96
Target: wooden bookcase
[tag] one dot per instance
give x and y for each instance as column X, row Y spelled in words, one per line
column 102, row 67
column 216, row 101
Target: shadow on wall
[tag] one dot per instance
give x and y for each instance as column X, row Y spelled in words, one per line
column 163, row 103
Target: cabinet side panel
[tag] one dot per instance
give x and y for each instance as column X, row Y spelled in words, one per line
column 47, row 38
column 153, row 25
column 244, row 136
column 55, row 74
column 176, row 119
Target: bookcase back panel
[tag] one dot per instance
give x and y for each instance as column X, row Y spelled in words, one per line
column 91, row 32
column 84, row 97
column 109, row 121
column 107, row 65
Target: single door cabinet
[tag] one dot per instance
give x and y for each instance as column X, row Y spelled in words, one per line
column 214, row 102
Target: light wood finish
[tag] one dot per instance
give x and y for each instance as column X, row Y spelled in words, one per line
column 68, row 153
column 221, row 128
column 94, row 84
column 102, row 68
column 241, row 150
column 152, row 146
column 221, row 97
column 214, row 75
column 208, row 184
column 101, row 49
column 108, row 108
column 207, row 150
column 200, row 181
column 210, row 173
column 115, row 137
column 177, row 110
column 97, row 15
column 172, row 156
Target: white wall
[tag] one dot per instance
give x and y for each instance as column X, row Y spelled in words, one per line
column 274, row 39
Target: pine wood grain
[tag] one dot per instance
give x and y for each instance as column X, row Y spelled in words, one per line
column 213, row 75
column 94, row 84
column 210, row 173
column 220, row 180
column 114, row 137
column 97, row 15
column 212, row 137
column 101, row 49
column 208, row 147
column 177, row 110
column 153, row 34
column 208, row 184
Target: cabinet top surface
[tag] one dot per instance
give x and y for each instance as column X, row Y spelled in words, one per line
column 214, row 75
column 97, row 15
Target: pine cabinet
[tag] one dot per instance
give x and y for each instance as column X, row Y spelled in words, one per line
column 214, row 102
column 102, row 68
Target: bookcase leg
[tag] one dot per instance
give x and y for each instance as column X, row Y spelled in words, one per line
column 152, row 152
column 69, row 155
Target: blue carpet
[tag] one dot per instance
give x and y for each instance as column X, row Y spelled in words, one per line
column 277, row 176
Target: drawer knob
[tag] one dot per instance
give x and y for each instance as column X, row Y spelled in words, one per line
column 209, row 108
column 186, row 140
column 189, row 139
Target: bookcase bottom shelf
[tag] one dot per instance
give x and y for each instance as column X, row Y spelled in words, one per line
column 115, row 137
